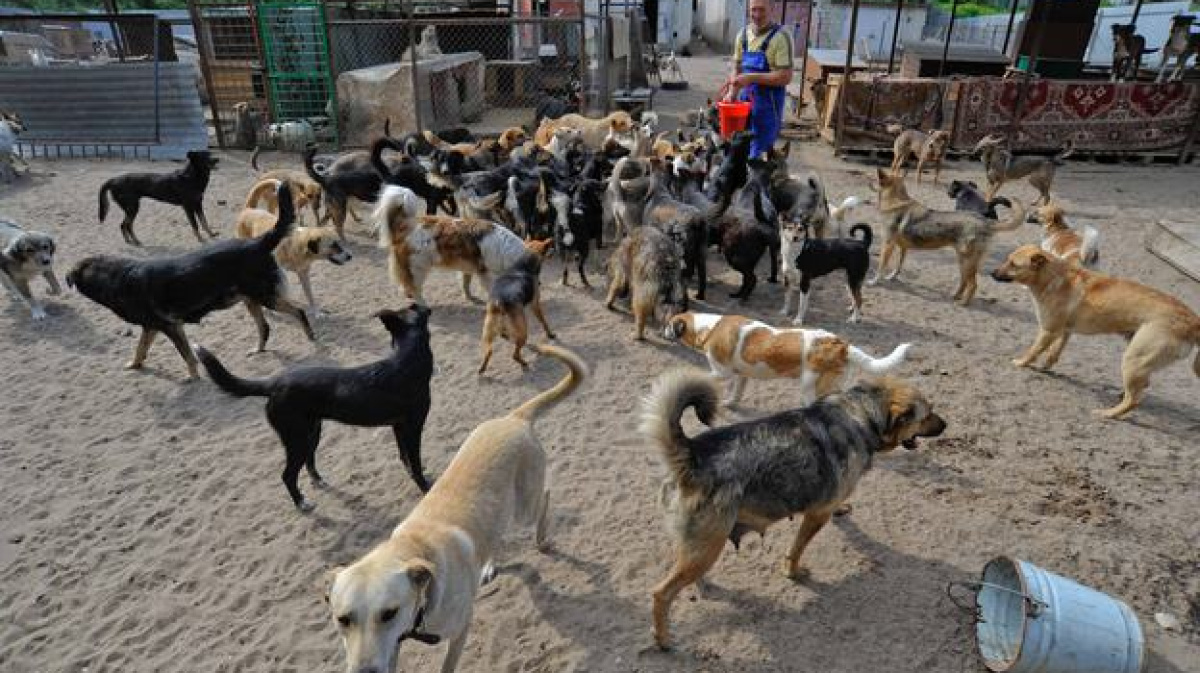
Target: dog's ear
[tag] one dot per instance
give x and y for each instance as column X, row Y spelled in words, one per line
column 420, row 574
column 786, row 151
column 677, row 327
column 1038, row 260
column 314, row 246
column 973, row 185
column 325, row 583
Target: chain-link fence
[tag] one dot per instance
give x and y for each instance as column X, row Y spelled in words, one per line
column 424, row 71
column 234, row 78
column 122, row 73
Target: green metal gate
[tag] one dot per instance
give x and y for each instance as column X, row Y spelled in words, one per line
column 296, row 53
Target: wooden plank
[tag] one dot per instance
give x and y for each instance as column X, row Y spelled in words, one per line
column 1178, row 244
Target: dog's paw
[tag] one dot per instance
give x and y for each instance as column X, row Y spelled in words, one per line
column 38, row 313
column 488, row 574
column 873, row 281
column 305, row 506
column 794, row 573
column 1021, row 362
column 133, row 365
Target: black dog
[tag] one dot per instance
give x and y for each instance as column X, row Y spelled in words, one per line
column 750, row 228
column 350, row 175
column 967, row 197
column 161, row 295
column 412, row 175
column 184, row 187
column 732, row 174
column 393, row 391
column 818, row 257
column 586, row 221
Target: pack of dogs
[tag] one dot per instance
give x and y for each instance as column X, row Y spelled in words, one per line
column 497, row 209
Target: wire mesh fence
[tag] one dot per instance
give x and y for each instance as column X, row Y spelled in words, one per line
column 420, row 71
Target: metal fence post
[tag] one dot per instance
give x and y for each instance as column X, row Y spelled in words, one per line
column 949, row 36
column 206, row 57
column 845, row 87
column 157, row 83
column 895, row 34
column 412, row 53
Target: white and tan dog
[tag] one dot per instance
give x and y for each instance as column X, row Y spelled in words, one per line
column 302, row 247
column 595, row 131
column 25, row 255
column 740, row 348
column 418, row 244
column 420, row 584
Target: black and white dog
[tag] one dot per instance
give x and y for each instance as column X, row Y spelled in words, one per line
column 968, row 197
column 184, row 188
column 806, row 258
column 392, row 392
column 25, row 255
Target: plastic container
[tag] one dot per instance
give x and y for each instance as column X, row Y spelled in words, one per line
column 733, row 117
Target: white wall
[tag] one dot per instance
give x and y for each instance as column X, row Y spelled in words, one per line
column 875, row 26
column 1154, row 24
column 674, row 23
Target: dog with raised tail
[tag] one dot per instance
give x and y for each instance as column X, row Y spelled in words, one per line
column 735, row 479
column 740, row 348
column 420, row 584
column 805, row 259
column 1066, row 243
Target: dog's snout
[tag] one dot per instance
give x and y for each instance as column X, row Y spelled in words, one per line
column 938, row 426
column 999, row 275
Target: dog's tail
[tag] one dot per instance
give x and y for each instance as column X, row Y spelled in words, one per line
column 284, row 220
column 395, row 208
column 257, row 191
column 663, row 408
column 839, row 212
column 867, row 234
column 432, row 139
column 879, row 365
column 254, row 157
column 234, row 385
column 1067, row 150
column 1000, row 201
column 104, row 190
column 578, row 372
column 310, row 154
column 1089, row 251
column 1017, row 219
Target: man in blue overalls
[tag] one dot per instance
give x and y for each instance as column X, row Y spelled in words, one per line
column 762, row 69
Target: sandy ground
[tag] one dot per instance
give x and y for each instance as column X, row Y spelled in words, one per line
column 143, row 526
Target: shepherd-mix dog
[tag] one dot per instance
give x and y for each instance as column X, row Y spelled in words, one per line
column 740, row 348
column 1000, row 165
column 162, row 295
column 647, row 266
column 185, row 188
column 25, row 255
column 926, row 147
column 392, row 392
column 909, row 224
column 1059, row 238
column 728, row 481
column 806, row 259
column 299, row 250
column 420, row 584
column 1072, row 300
column 512, row 291
column 417, row 245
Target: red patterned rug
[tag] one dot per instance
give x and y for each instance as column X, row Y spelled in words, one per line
column 1098, row 116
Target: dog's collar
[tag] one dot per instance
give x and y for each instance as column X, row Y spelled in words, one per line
column 415, row 633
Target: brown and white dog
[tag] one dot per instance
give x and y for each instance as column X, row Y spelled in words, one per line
column 511, row 292
column 420, row 583
column 595, row 131
column 1059, row 238
column 305, row 191
column 1072, row 300
column 926, row 147
column 298, row 250
column 417, row 245
column 740, row 348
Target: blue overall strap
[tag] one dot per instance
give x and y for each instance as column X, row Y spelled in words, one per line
column 766, row 118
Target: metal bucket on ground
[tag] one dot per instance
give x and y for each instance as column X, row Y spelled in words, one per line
column 1033, row 621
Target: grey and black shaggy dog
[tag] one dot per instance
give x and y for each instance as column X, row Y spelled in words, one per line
column 164, row 294
column 648, row 266
column 25, row 255
column 968, row 197
column 731, row 480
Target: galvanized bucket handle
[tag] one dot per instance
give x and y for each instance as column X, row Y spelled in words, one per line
column 1033, row 607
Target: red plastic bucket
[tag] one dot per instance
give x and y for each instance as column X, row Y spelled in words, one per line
column 733, row 117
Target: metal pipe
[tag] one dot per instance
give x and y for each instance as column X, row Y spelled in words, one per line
column 1033, row 57
column 206, row 57
column 1012, row 17
column 412, row 62
column 949, row 34
column 804, row 59
column 895, row 35
column 1137, row 9
column 841, row 118
column 157, row 87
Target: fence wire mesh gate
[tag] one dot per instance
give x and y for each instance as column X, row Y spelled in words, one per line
column 296, row 54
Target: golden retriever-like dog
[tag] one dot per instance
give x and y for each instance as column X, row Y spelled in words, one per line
column 420, row 584
column 741, row 478
column 298, row 250
column 909, row 224
column 306, row 191
column 1072, row 300
column 595, row 131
